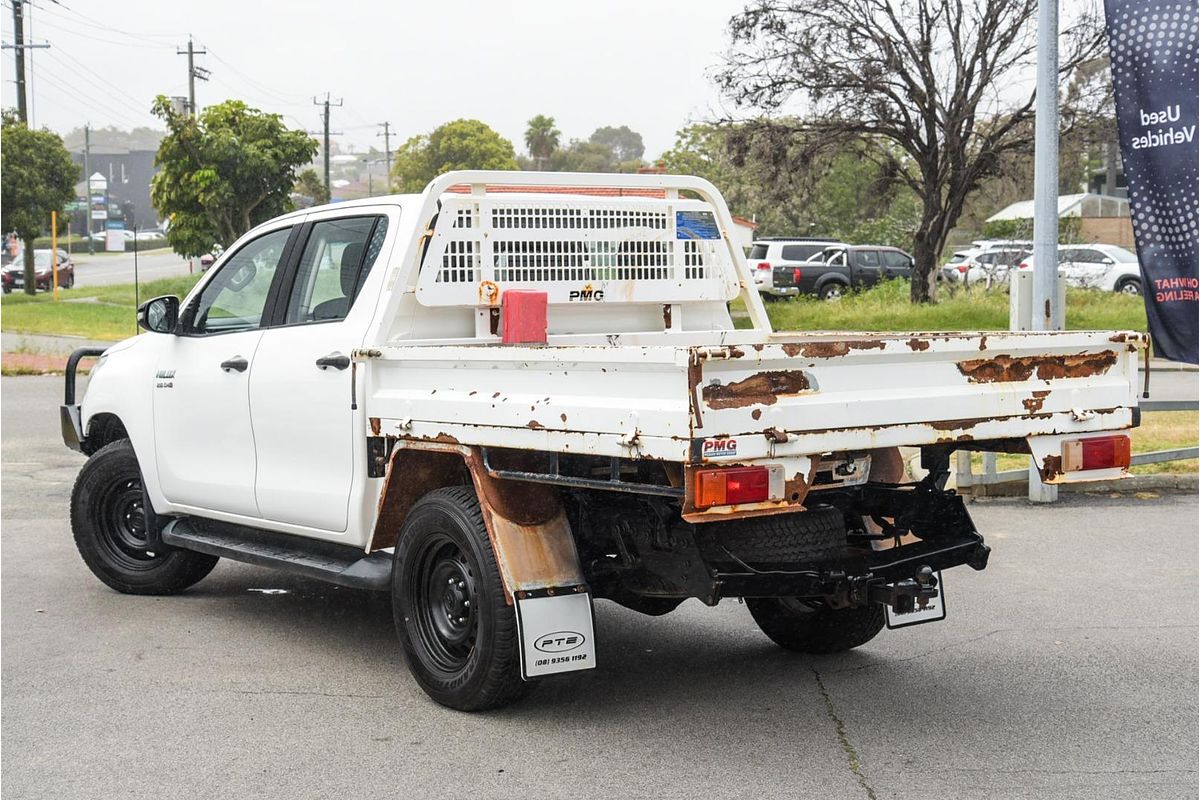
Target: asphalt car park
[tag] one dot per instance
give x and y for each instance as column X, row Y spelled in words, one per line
column 1067, row 669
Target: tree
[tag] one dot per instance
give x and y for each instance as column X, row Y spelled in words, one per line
column 37, row 177
column 310, row 185
column 625, row 144
column 223, row 172
column 541, row 138
column 461, row 144
column 927, row 80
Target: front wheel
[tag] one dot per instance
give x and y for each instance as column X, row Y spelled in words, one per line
column 810, row 626
column 111, row 523
column 458, row 633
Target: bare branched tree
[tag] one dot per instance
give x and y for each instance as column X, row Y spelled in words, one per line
column 942, row 87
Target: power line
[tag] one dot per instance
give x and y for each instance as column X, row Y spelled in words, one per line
column 281, row 97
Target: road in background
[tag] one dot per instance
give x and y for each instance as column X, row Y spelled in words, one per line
column 1067, row 669
column 104, row 269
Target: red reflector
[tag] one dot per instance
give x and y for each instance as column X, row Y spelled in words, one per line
column 1105, row 452
column 1100, row 452
column 764, row 265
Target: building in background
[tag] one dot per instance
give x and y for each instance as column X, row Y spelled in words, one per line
column 128, row 174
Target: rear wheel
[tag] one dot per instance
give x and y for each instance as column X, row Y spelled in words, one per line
column 458, row 633
column 810, row 626
column 110, row 520
column 832, row 291
column 1131, row 286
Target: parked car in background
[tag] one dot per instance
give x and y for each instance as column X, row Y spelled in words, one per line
column 841, row 267
column 43, row 265
column 1097, row 266
column 771, row 257
column 986, row 261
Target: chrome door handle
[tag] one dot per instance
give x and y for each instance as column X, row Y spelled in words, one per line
column 235, row 364
column 335, row 360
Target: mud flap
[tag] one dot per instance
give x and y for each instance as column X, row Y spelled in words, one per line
column 557, row 631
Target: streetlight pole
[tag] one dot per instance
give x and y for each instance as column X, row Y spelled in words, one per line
column 1047, row 306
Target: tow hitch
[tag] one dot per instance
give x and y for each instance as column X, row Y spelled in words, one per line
column 904, row 595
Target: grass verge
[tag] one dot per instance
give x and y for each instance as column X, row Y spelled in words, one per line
column 886, row 308
column 101, row 312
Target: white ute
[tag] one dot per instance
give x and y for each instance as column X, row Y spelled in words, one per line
column 516, row 393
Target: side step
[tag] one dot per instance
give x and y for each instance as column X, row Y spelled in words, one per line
column 326, row 561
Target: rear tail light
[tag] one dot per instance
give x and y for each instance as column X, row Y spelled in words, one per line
column 1100, row 452
column 763, row 265
column 736, row 485
column 1023, row 265
column 797, row 274
column 962, row 268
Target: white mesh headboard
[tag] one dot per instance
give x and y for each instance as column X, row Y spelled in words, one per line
column 575, row 248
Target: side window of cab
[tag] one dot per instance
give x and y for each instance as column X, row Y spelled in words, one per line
column 236, row 297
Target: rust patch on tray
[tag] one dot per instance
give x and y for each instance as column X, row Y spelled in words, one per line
column 1007, row 369
column 763, row 388
column 831, row 349
column 1034, row 403
column 916, row 344
column 375, row 426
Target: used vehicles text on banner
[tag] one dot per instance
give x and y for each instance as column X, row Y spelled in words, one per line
column 1153, row 48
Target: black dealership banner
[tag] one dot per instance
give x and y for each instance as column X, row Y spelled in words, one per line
column 1153, row 47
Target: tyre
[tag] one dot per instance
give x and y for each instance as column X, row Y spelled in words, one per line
column 806, row 537
column 458, row 633
column 832, row 291
column 70, row 281
column 1130, row 286
column 809, row 626
column 110, row 522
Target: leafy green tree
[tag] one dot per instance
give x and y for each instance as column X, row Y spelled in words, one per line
column 541, row 139
column 625, row 144
column 37, row 177
column 461, row 144
column 309, row 184
column 223, row 172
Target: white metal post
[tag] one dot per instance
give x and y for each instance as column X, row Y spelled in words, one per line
column 1047, row 305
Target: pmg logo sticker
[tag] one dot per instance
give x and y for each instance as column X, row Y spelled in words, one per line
column 720, row 448
column 560, row 642
column 586, row 293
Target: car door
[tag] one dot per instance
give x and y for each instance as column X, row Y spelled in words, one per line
column 301, row 383
column 1090, row 267
column 896, row 265
column 867, row 267
column 203, row 440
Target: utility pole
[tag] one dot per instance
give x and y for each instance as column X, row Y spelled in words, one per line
column 87, row 186
column 19, row 47
column 193, row 72
column 387, row 151
column 327, row 103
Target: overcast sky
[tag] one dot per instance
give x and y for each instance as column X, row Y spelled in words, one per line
column 640, row 63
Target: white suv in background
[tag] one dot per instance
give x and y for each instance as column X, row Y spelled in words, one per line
column 769, row 255
column 1097, row 266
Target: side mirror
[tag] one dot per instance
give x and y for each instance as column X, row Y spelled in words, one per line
column 159, row 315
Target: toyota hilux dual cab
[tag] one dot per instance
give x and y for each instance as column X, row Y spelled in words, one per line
column 500, row 402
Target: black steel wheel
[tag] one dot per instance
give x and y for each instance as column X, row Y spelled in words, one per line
column 111, row 523
column 458, row 632
column 810, row 626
